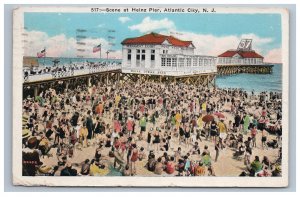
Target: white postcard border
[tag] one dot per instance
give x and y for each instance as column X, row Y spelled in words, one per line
column 18, row 179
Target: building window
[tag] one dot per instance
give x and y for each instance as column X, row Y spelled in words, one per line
column 181, row 62
column 195, row 62
column 163, row 61
column 138, row 54
column 168, row 61
column 174, row 62
column 152, row 55
column 129, row 54
column 143, row 54
column 188, row 62
column 200, row 61
column 259, row 60
column 165, row 51
column 205, row 62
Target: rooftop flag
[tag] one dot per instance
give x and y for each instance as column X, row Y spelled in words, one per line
column 42, row 53
column 97, row 48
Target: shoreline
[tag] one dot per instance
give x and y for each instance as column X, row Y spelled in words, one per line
column 250, row 91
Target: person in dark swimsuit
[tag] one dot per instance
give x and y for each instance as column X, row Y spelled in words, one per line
column 149, row 138
column 107, row 108
column 108, row 142
column 98, row 126
column 187, row 136
column 156, row 140
column 213, row 131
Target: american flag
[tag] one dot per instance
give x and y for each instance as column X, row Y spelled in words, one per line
column 42, row 53
column 97, row 48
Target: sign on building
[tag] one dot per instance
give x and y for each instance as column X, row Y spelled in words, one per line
column 245, row 44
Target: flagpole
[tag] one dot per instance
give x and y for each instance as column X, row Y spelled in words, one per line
column 44, row 55
column 100, row 52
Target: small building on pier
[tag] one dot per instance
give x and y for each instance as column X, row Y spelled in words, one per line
column 242, row 60
column 238, row 57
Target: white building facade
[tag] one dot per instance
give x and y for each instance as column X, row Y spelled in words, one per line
column 163, row 55
column 243, row 55
column 240, row 58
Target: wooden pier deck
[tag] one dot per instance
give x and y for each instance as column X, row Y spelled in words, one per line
column 235, row 69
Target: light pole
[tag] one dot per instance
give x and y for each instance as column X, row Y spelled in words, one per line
column 107, row 52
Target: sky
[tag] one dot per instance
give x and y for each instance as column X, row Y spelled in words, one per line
column 212, row 34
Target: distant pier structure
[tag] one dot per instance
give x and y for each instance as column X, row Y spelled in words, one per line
column 167, row 59
column 242, row 60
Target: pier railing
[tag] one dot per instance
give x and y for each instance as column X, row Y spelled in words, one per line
column 68, row 73
column 171, row 71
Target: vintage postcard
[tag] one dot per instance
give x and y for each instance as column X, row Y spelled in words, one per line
column 158, row 96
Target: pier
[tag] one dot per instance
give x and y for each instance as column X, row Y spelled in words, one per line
column 149, row 58
column 253, row 69
column 34, row 84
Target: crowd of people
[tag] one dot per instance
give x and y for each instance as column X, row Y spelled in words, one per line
column 150, row 128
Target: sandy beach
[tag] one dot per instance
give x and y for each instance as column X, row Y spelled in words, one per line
column 226, row 165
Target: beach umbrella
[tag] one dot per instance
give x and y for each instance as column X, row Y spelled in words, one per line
column 26, row 133
column 25, row 119
column 208, row 118
column 219, row 115
column 262, row 121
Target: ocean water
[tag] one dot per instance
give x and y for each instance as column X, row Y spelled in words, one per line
column 256, row 82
